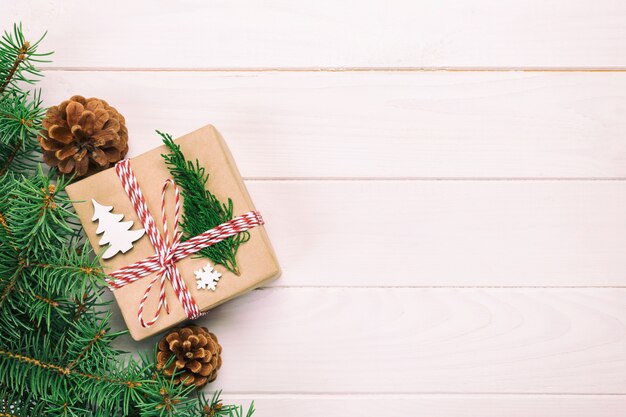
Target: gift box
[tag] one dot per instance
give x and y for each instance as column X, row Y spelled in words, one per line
column 256, row 260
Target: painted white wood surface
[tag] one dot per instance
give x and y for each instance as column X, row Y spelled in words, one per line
column 446, row 233
column 437, row 405
column 406, row 341
column 379, row 124
column 329, row 33
column 509, row 178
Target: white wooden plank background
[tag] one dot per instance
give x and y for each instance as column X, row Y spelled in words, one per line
column 452, row 240
column 438, row 405
column 330, row 33
column 399, row 340
column 450, row 233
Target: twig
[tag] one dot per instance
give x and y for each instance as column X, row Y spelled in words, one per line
column 18, row 61
column 11, row 157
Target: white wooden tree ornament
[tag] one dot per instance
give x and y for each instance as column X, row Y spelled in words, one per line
column 116, row 233
column 207, row 277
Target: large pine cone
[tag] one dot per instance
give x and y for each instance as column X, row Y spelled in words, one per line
column 83, row 136
column 192, row 354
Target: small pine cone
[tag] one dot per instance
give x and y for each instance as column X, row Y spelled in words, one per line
column 192, row 354
column 83, row 136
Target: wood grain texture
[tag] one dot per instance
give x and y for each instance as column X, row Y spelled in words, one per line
column 328, row 33
column 446, row 233
column 435, row 405
column 404, row 341
column 434, row 125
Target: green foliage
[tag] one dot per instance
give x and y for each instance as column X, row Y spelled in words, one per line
column 56, row 345
column 20, row 111
column 13, row 405
column 17, row 59
column 206, row 211
column 215, row 408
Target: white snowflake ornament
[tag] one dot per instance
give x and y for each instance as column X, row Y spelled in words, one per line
column 207, row 277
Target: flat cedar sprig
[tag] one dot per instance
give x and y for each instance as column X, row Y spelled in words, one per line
column 201, row 209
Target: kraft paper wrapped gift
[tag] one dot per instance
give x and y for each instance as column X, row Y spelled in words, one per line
column 256, row 259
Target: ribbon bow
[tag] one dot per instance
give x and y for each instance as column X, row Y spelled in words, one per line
column 163, row 262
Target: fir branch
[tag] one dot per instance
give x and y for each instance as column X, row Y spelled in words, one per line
column 110, row 389
column 215, row 408
column 17, row 58
column 18, row 61
column 7, row 162
column 35, row 362
column 12, row 405
column 20, row 122
column 20, row 113
column 201, row 209
column 42, row 298
column 69, row 370
column 10, row 286
column 86, row 349
column 3, row 223
column 81, row 307
column 35, row 211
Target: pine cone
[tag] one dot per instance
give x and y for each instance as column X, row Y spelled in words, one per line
column 197, row 356
column 83, row 136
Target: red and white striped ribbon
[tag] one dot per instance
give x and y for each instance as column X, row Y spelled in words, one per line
column 163, row 262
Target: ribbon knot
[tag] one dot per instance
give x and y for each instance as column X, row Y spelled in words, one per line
column 168, row 251
column 167, row 261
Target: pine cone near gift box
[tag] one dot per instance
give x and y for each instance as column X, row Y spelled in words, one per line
column 83, row 136
column 192, row 354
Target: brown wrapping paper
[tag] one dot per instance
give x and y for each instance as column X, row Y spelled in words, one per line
column 256, row 259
